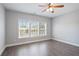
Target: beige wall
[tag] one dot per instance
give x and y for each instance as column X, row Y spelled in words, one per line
column 66, row 27
column 2, row 28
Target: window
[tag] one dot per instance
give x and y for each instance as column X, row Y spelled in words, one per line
column 42, row 29
column 23, row 29
column 31, row 29
column 34, row 29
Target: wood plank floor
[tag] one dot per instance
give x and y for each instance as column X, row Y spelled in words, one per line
column 44, row 48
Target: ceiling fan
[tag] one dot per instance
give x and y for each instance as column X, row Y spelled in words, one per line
column 50, row 7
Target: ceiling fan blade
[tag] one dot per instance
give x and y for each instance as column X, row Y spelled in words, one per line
column 57, row 6
column 44, row 10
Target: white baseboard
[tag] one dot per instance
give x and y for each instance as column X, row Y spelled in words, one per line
column 58, row 39
column 2, row 50
column 9, row 45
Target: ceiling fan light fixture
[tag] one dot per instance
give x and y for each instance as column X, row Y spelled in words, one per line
column 50, row 10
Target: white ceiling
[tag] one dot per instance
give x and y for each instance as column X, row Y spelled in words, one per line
column 35, row 9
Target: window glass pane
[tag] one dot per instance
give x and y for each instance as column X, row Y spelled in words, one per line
column 23, row 32
column 42, row 29
column 34, row 29
column 23, row 29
